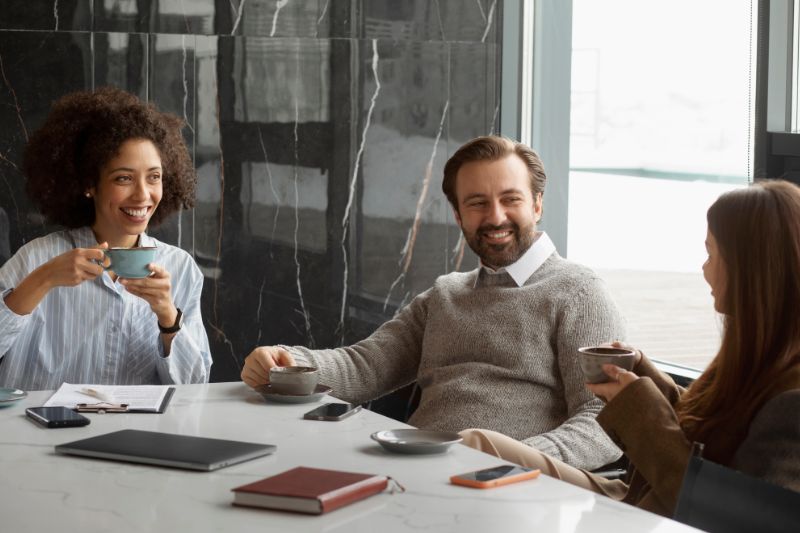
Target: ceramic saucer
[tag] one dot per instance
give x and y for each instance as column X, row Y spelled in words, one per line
column 269, row 394
column 416, row 441
column 10, row 396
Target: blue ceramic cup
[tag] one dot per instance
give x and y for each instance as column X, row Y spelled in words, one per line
column 130, row 262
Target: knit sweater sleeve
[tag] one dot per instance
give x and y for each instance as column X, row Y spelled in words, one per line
column 589, row 318
column 383, row 362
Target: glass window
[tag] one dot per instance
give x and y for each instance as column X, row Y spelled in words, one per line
column 661, row 111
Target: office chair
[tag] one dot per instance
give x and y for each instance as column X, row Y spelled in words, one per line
column 716, row 498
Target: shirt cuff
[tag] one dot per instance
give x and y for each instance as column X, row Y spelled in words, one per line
column 11, row 322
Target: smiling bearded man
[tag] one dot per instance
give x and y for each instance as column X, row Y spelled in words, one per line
column 497, row 209
column 495, row 347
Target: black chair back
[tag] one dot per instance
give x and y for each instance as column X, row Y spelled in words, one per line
column 716, row 498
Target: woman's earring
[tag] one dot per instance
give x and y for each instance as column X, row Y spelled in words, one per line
column 87, row 194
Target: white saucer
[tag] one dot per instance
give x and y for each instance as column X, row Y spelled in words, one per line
column 10, row 396
column 416, row 441
column 269, row 394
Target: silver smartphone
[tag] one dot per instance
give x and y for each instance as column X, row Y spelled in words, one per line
column 332, row 411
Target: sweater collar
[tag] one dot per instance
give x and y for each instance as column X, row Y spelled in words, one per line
column 524, row 267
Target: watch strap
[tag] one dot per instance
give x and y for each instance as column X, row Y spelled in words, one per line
column 174, row 328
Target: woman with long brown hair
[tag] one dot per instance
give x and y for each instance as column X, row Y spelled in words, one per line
column 745, row 407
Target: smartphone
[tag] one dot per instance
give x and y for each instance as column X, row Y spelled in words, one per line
column 332, row 411
column 495, row 476
column 56, row 417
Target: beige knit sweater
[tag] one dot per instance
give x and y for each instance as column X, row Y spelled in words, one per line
column 489, row 354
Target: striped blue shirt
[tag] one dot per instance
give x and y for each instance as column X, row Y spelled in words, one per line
column 97, row 332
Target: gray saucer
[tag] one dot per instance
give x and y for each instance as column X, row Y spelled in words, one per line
column 416, row 441
column 10, row 396
column 319, row 392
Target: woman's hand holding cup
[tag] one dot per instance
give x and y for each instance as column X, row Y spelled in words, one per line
column 618, row 377
column 156, row 290
column 75, row 266
column 66, row 270
column 637, row 358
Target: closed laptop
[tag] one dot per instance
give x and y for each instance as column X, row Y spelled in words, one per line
column 166, row 449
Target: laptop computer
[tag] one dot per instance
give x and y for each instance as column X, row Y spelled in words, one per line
column 166, row 449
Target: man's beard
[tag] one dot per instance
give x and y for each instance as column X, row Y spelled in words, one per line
column 501, row 255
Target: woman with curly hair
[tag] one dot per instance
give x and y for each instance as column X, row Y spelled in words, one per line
column 105, row 166
column 744, row 407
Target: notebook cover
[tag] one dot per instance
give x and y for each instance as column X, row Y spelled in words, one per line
column 161, row 408
column 331, row 488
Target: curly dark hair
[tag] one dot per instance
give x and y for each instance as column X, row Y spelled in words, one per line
column 82, row 133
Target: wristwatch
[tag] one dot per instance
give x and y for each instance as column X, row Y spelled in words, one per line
column 174, row 328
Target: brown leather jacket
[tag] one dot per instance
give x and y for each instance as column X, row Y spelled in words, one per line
column 642, row 422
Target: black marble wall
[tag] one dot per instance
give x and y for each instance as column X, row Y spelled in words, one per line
column 319, row 130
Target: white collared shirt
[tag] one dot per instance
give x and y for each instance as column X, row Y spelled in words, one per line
column 524, row 267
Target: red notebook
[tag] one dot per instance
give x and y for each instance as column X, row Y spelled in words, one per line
column 309, row 490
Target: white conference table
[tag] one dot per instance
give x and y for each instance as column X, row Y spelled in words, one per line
column 41, row 491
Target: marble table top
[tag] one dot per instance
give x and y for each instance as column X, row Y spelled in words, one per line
column 44, row 492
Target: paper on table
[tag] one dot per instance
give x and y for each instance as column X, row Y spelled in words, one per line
column 138, row 397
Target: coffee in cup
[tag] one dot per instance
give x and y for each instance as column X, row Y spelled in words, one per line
column 130, row 262
column 592, row 359
column 294, row 380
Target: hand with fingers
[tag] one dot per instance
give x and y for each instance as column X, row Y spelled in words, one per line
column 620, row 378
column 66, row 270
column 257, row 364
column 623, row 346
column 156, row 290
column 75, row 266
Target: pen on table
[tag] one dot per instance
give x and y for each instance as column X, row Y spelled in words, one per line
column 95, row 394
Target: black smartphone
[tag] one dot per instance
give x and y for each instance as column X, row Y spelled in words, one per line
column 56, row 417
column 332, row 411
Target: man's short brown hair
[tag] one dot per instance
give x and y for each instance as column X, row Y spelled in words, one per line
column 492, row 148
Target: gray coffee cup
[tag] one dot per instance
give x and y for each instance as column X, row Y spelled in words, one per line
column 130, row 262
column 592, row 359
column 294, row 380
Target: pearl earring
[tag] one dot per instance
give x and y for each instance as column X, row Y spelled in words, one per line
column 87, row 194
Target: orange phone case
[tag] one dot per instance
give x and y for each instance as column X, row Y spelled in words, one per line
column 458, row 480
